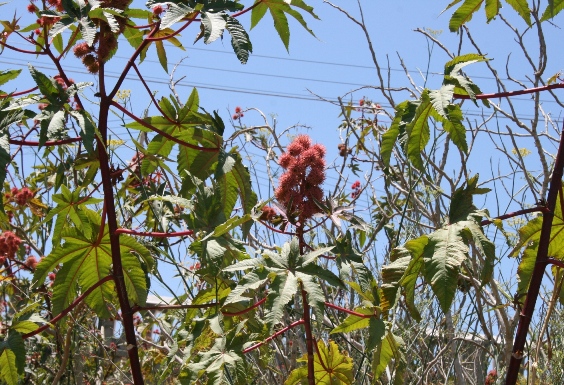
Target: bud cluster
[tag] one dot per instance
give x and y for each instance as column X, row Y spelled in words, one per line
column 9, row 244
column 20, row 196
column 300, row 184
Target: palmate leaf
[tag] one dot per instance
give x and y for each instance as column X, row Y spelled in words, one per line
column 213, row 363
column 70, row 205
column 331, row 367
column 85, row 261
column 278, row 10
column 12, row 358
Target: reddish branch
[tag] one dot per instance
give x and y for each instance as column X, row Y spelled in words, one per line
column 47, row 143
column 309, row 339
column 190, row 20
column 294, row 324
column 555, row 262
column 69, row 308
column 155, row 129
column 151, row 94
column 511, row 93
column 19, row 93
column 245, row 310
column 154, row 234
column 542, row 209
column 542, row 262
column 137, row 308
column 246, row 10
column 22, row 50
column 348, row 311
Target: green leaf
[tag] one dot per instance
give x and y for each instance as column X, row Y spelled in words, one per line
column 161, row 54
column 492, row 9
column 87, row 129
column 6, row 76
column 464, row 14
column 24, row 326
column 282, row 290
column 418, row 131
column 214, row 24
column 46, row 86
column 461, row 205
column 240, row 40
column 554, row 8
column 85, row 261
column 388, row 349
column 278, row 10
column 12, row 358
column 88, row 30
column 405, row 111
column 522, row 8
column 331, row 367
column 529, row 238
column 441, row 99
column 443, row 257
column 354, row 322
column 453, row 126
column 174, row 13
column 231, row 223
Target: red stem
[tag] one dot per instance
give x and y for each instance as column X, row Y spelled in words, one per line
column 153, row 234
column 175, row 32
column 131, row 61
column 151, row 95
column 22, row 50
column 511, row 93
column 169, row 307
column 245, row 310
column 155, row 129
column 293, row 324
column 339, row 308
column 309, row 339
column 542, row 261
column 69, row 308
column 19, row 93
column 48, row 143
column 555, row 262
column 515, row 213
column 246, row 10
column 276, row 230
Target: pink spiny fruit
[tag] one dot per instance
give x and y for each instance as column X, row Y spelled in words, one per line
column 299, row 185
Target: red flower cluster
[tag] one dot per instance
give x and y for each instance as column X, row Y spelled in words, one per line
column 31, row 262
column 9, row 244
column 31, row 8
column 356, row 189
column 157, row 10
column 267, row 213
column 238, row 113
column 20, row 196
column 491, row 377
column 305, row 172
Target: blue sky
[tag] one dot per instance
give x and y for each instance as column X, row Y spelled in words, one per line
column 331, row 64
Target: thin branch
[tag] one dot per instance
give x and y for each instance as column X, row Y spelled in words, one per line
column 281, row 331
